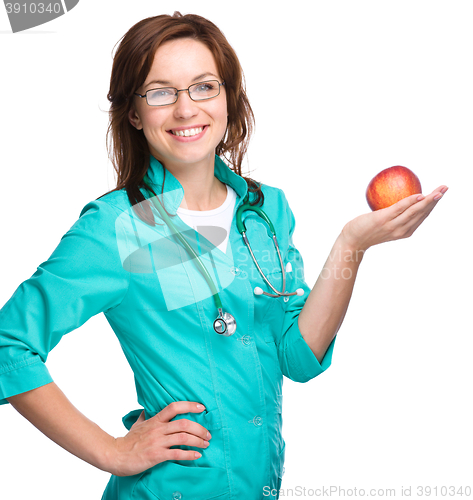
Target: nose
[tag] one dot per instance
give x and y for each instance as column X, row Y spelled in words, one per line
column 184, row 107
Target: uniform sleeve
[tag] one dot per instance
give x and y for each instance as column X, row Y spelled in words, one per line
column 296, row 359
column 81, row 278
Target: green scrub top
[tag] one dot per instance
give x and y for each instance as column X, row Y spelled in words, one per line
column 161, row 309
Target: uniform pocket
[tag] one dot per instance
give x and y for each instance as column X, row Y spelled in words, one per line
column 168, row 480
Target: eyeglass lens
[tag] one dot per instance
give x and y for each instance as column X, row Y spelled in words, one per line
column 198, row 92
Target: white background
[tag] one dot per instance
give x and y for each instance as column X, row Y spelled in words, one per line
column 379, row 84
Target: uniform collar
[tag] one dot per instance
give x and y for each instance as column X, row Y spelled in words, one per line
column 174, row 189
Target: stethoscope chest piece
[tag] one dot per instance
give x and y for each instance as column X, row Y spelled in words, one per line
column 225, row 324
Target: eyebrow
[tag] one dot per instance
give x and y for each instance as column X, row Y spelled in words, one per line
column 165, row 82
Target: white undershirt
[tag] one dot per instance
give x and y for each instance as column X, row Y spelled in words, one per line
column 220, row 217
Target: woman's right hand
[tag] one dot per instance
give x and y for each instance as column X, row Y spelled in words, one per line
column 148, row 442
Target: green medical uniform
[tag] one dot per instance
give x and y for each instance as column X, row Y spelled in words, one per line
column 162, row 310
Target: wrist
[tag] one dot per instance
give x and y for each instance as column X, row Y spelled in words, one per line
column 109, row 455
column 352, row 250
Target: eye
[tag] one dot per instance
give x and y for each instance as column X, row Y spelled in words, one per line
column 160, row 93
column 205, row 87
column 164, row 92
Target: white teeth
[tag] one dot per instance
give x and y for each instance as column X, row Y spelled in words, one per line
column 189, row 132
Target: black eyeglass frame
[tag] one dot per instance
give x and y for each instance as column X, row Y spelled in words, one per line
column 180, row 90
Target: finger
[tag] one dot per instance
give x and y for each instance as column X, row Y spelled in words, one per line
column 404, row 204
column 412, row 218
column 184, row 425
column 401, row 206
column 425, row 206
column 415, row 211
column 185, row 439
column 441, row 190
column 178, row 454
column 177, row 408
column 412, row 224
column 414, row 214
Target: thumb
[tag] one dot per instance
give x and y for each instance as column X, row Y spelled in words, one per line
column 141, row 418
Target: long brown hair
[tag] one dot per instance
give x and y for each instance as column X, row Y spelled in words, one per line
column 127, row 147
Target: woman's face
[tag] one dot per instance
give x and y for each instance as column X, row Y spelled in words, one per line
column 180, row 63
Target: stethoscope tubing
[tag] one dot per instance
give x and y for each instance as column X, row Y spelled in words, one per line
column 225, row 323
column 165, row 217
column 279, row 294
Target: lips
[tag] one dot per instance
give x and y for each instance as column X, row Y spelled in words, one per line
column 187, row 134
column 187, row 127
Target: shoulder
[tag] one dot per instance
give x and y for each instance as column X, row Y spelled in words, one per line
column 274, row 197
column 112, row 203
column 102, row 218
column 277, row 208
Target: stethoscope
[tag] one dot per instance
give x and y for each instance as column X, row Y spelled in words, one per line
column 225, row 323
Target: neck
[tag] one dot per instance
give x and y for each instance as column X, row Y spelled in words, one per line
column 197, row 196
column 202, row 190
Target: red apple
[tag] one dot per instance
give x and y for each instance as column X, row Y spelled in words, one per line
column 391, row 185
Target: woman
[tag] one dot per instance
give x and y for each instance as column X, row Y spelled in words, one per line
column 178, row 107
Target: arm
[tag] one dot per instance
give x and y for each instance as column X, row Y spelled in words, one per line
column 82, row 277
column 325, row 308
column 147, row 443
column 327, row 304
column 49, row 410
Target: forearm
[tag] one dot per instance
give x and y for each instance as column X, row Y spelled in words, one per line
column 48, row 409
column 327, row 304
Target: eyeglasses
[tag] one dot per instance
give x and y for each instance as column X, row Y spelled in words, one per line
column 168, row 95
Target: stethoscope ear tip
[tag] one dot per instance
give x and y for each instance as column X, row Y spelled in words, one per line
column 300, row 292
column 258, row 291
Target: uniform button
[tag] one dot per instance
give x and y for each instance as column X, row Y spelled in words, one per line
column 246, row 340
column 176, row 495
column 235, row 271
column 258, row 421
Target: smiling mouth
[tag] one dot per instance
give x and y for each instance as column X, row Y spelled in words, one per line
column 188, row 132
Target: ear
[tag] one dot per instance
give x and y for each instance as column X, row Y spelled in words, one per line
column 134, row 118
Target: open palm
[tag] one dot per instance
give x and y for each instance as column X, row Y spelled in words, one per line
column 392, row 223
